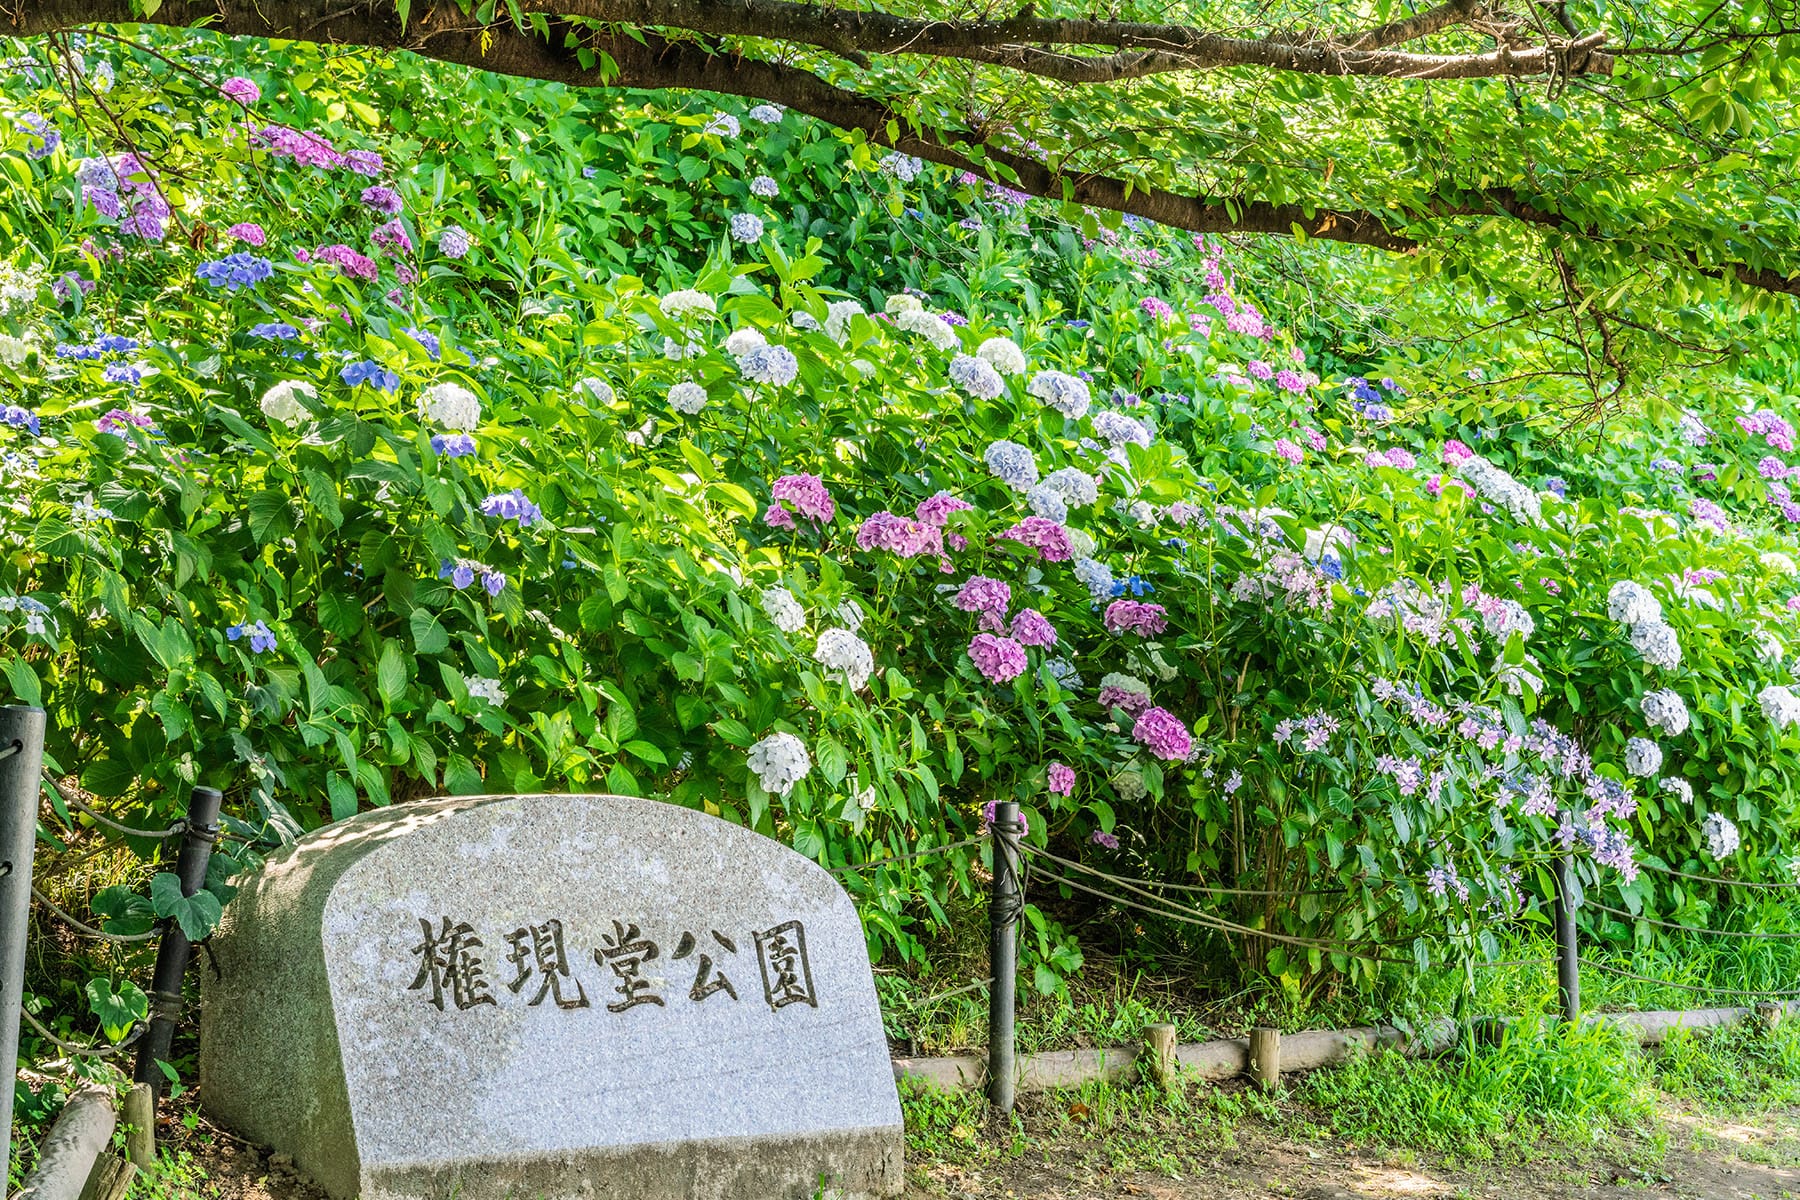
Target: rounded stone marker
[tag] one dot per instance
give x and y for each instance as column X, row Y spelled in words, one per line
column 551, row 996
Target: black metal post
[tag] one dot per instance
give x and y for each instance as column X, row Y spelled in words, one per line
column 172, row 955
column 22, row 741
column 1568, row 952
column 1004, row 905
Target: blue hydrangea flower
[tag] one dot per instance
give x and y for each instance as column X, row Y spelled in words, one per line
column 454, row 445
column 115, row 343
column 235, row 271
column 274, row 331
column 1137, row 585
column 123, row 373
column 20, row 418
column 45, row 137
column 512, row 506
column 262, row 639
column 428, row 341
column 371, row 373
column 746, row 227
column 1554, row 484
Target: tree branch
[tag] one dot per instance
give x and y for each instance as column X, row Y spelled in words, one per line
column 649, row 60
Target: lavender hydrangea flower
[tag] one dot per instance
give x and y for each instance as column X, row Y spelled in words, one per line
column 234, row 271
column 766, row 114
column 999, row 659
column 382, row 199
column 453, row 445
column 773, row 365
column 765, row 187
column 976, row 376
column 722, row 125
column 454, row 241
column 746, row 227
column 1012, row 464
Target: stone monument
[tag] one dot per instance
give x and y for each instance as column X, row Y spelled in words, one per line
column 547, row 997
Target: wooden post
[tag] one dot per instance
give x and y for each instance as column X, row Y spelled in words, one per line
column 140, row 1137
column 1004, row 906
column 22, row 740
column 1265, row 1057
column 172, row 955
column 1568, row 951
column 1159, row 1053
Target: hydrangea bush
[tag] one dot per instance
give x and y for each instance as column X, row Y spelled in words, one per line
column 347, row 466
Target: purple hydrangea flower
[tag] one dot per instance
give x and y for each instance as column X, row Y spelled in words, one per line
column 454, row 445
column 1162, row 733
column 383, row 199
column 1060, row 779
column 242, row 90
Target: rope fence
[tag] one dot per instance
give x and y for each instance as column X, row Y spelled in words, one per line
column 87, row 930
column 178, row 828
column 928, row 852
column 1736, row 933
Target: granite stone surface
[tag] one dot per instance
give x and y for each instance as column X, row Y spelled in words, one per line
column 552, row 996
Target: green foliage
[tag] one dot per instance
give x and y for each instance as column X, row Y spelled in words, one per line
column 1555, row 1080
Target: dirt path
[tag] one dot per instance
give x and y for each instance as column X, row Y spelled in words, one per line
column 1706, row 1159
column 1758, row 1159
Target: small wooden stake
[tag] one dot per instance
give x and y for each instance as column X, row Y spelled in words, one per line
column 1265, row 1057
column 1770, row 1014
column 1159, row 1050
column 140, row 1137
column 111, row 1178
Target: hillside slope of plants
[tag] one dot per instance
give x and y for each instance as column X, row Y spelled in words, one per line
column 357, row 452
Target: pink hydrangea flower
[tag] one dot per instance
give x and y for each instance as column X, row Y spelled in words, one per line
column 807, row 496
column 1288, row 450
column 1156, row 308
column 901, row 535
column 989, row 597
column 1455, row 452
column 1060, row 779
column 1161, row 732
column 1136, row 617
column 248, row 232
column 242, row 90
column 1313, row 438
column 999, row 659
column 1047, row 537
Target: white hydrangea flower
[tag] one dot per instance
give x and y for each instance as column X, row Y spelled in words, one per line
column 1720, row 834
column 1679, row 789
column 1046, row 501
column 902, row 302
column 1496, row 485
column 687, row 397
column 1779, row 563
column 1658, row 644
column 765, row 187
column 598, row 389
column 1630, row 603
column 845, row 657
column 1081, row 542
column 743, row 341
column 1077, row 488
column 1067, row 394
column 1768, row 646
column 450, row 405
column 863, row 367
column 850, row 616
column 783, row 609
column 766, row 114
column 773, row 365
column 1004, row 355
column 1780, row 707
column 723, row 125
column 976, row 376
column 14, row 350
column 1130, row 786
column 485, row 689
column 779, row 761
column 903, row 167
column 837, row 319
column 1643, row 757
column 1097, row 577
column 934, row 328
column 676, row 351
column 1667, row 711
column 802, row 319
column 284, row 401
column 682, row 303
